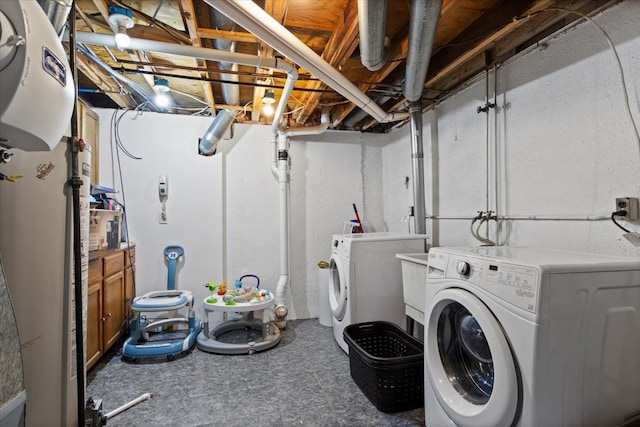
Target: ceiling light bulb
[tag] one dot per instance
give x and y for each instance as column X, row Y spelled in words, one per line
column 122, row 19
column 267, row 109
column 268, row 98
column 160, row 85
column 122, row 40
column 162, row 100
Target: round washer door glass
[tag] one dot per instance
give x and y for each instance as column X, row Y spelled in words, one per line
column 337, row 288
column 469, row 361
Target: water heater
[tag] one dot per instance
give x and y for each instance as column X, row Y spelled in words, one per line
column 35, row 80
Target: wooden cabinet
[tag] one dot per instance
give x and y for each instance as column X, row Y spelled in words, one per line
column 111, row 283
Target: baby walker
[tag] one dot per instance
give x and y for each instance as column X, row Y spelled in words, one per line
column 165, row 324
column 245, row 335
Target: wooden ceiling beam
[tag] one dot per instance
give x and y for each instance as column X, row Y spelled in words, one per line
column 102, row 81
column 338, row 49
column 449, row 69
column 395, row 58
column 278, row 11
column 238, row 36
column 190, row 20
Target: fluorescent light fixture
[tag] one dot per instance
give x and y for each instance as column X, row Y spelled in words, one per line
column 122, row 18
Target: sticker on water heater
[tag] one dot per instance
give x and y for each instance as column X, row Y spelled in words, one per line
column 54, row 66
column 44, row 169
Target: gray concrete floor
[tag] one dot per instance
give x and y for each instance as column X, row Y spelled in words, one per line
column 303, row 381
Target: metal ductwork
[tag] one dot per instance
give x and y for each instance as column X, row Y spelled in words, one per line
column 372, row 20
column 230, row 92
column 57, row 12
column 422, row 31
column 136, row 88
column 222, row 122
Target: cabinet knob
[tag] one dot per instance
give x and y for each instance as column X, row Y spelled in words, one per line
column 104, row 319
column 109, row 314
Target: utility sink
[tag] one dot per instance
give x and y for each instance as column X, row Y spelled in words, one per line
column 414, row 279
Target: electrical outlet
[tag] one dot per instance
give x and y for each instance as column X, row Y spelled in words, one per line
column 630, row 205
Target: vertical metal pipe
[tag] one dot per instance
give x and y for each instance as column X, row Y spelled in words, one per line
column 75, row 182
column 417, row 166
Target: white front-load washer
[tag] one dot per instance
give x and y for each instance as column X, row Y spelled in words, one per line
column 531, row 337
column 365, row 281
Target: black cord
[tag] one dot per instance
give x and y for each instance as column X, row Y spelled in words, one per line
column 613, row 218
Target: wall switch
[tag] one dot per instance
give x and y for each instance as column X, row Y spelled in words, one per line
column 630, row 205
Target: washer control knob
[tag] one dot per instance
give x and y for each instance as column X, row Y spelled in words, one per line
column 463, row 268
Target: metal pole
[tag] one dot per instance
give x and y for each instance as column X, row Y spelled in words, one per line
column 76, row 182
column 417, row 166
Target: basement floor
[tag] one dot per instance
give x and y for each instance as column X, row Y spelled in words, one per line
column 303, row 381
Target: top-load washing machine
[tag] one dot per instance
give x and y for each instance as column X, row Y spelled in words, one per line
column 531, row 337
column 365, row 281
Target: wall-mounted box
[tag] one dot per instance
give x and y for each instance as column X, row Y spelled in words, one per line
column 104, row 229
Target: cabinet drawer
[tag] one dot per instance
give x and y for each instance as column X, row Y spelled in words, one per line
column 113, row 263
column 95, row 270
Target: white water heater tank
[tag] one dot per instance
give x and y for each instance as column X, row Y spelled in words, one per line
column 35, row 80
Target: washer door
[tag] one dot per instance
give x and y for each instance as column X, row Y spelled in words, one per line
column 337, row 287
column 469, row 362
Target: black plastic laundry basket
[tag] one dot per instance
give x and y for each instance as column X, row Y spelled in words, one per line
column 387, row 364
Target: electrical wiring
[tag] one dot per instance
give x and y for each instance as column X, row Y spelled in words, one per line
column 617, row 57
column 115, row 134
column 613, row 218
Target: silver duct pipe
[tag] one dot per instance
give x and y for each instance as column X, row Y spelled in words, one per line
column 422, row 31
column 230, row 92
column 57, row 12
column 130, row 83
column 417, row 167
column 209, row 142
column 372, row 20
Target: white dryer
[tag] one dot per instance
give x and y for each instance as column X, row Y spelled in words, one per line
column 365, row 282
column 531, row 337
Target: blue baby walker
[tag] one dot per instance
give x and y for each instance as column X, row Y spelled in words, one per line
column 165, row 325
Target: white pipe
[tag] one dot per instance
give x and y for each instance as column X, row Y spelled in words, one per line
column 190, row 51
column 283, row 184
column 208, row 54
column 126, row 406
column 284, row 98
column 251, row 17
column 311, row 130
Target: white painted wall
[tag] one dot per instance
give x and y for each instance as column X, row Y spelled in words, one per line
column 565, row 145
column 167, row 145
column 224, row 209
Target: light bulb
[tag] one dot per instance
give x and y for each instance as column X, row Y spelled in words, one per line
column 162, row 100
column 122, row 40
column 267, row 109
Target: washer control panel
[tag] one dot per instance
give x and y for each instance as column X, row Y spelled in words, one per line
column 513, row 283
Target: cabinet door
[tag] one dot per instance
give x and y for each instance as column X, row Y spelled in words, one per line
column 112, row 307
column 94, row 323
column 129, row 290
